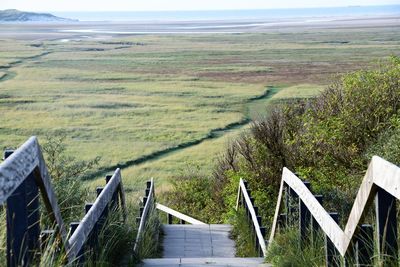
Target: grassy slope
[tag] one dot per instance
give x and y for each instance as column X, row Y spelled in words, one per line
column 123, row 103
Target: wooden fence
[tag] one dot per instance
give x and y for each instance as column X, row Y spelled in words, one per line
column 23, row 174
column 354, row 244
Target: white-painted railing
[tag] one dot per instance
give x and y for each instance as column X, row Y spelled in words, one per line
column 243, row 197
column 381, row 181
column 178, row 215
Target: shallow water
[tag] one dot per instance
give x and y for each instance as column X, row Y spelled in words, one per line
column 231, row 14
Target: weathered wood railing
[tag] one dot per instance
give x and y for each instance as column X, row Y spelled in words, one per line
column 145, row 211
column 173, row 213
column 355, row 243
column 87, row 230
column 244, row 199
column 22, row 175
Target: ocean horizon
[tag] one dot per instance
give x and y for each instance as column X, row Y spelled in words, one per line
column 249, row 14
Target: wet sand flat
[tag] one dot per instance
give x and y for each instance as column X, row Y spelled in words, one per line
column 105, row 30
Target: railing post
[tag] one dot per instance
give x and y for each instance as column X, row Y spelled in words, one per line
column 248, row 208
column 287, row 202
column 141, row 209
column 244, row 202
column 114, row 200
column 80, row 256
column 314, row 223
column 304, row 220
column 32, row 200
column 364, row 246
column 104, row 215
column 282, row 220
column 240, row 197
column 17, row 225
column 291, row 197
column 386, row 223
column 332, row 256
column 169, row 218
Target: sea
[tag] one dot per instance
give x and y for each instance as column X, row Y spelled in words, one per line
column 250, row 14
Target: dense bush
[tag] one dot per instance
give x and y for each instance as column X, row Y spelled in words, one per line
column 66, row 172
column 194, row 195
column 328, row 140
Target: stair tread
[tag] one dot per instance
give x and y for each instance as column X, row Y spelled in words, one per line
column 210, row 261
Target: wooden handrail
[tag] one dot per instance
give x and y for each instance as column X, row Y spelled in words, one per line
column 27, row 162
column 146, row 209
column 243, row 191
column 16, row 168
column 80, row 235
column 178, row 215
column 380, row 174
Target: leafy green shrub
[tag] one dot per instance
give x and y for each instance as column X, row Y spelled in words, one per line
column 66, row 173
column 328, row 140
column 388, row 143
column 338, row 126
column 193, row 195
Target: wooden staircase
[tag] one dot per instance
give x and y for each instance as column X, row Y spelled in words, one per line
column 24, row 175
column 200, row 245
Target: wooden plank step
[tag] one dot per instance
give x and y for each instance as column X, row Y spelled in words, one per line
column 196, row 241
column 198, row 262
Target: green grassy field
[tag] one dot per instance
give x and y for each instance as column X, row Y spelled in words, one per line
column 125, row 99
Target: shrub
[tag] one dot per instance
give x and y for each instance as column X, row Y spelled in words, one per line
column 66, row 173
column 193, row 195
column 327, row 140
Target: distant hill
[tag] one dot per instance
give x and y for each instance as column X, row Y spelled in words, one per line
column 21, row 16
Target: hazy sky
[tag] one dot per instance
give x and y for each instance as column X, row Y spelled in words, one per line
column 137, row 5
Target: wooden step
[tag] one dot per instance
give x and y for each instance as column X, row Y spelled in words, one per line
column 196, row 241
column 197, row 262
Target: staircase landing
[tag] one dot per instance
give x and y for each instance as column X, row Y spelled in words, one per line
column 200, row 245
